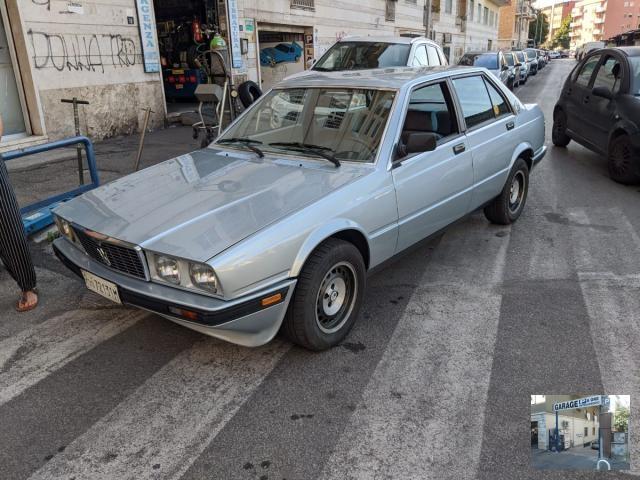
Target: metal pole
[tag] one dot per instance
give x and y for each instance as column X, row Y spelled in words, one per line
column 76, row 120
column 147, row 114
column 557, row 435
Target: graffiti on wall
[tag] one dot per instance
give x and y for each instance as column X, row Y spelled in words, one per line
column 82, row 52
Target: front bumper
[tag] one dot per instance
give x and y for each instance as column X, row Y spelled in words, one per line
column 243, row 321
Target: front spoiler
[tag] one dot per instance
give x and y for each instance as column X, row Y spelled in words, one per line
column 242, row 321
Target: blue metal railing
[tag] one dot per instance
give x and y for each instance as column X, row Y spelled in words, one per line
column 38, row 215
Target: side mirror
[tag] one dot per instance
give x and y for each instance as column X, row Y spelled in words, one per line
column 603, row 92
column 505, row 68
column 417, row 142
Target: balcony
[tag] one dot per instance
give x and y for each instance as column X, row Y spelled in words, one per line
column 601, row 9
column 598, row 21
column 576, row 12
column 596, row 31
column 575, row 24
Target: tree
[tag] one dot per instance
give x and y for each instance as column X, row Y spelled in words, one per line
column 539, row 28
column 562, row 34
column 621, row 419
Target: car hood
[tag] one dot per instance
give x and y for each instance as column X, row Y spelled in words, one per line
column 197, row 205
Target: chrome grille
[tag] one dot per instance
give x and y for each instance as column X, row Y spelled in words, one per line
column 118, row 257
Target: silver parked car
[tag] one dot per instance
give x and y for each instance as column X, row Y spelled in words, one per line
column 495, row 62
column 275, row 227
column 361, row 53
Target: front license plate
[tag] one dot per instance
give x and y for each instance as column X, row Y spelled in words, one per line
column 101, row 286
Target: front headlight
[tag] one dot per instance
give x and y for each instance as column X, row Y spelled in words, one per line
column 64, row 228
column 203, row 276
column 168, row 269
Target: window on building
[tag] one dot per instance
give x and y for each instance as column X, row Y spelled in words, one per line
column 472, row 6
column 491, row 17
column 474, row 100
column 448, row 6
column 479, row 13
column 303, row 4
column 390, row 11
column 593, row 430
column 485, row 19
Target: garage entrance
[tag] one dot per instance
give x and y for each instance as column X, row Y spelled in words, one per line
column 534, row 434
column 283, row 51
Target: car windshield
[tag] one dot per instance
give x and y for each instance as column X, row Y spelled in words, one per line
column 635, row 72
column 363, row 55
column 531, row 54
column 282, row 48
column 509, row 58
column 486, row 60
column 520, row 56
column 345, row 123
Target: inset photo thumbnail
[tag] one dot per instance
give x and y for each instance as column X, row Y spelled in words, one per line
column 580, row 432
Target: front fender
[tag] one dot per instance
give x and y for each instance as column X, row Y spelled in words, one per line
column 319, row 235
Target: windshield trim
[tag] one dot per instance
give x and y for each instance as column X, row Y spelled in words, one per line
column 267, row 153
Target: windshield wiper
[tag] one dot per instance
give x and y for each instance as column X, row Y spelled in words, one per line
column 245, row 142
column 309, row 148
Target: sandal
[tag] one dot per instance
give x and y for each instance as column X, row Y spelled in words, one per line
column 28, row 301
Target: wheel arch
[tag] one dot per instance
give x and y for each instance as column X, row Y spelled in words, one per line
column 525, row 151
column 342, row 229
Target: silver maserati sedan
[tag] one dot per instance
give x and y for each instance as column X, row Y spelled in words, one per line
column 276, row 225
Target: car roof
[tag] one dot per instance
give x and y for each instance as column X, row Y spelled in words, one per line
column 382, row 78
column 628, row 51
column 480, row 53
column 385, row 39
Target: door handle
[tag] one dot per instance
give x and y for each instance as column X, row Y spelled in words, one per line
column 458, row 149
column 510, row 125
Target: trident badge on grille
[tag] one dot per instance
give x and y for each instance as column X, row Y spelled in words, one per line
column 104, row 256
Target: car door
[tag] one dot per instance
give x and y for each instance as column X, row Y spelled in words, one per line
column 432, row 188
column 574, row 95
column 600, row 112
column 489, row 119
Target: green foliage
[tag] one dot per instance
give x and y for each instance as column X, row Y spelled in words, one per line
column 562, row 34
column 539, row 28
column 621, row 419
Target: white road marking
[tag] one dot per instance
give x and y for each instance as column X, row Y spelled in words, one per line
column 33, row 354
column 162, row 428
column 435, row 370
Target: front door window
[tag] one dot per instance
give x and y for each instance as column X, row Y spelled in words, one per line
column 10, row 105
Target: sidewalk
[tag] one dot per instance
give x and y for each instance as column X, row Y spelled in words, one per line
column 577, row 458
column 40, row 176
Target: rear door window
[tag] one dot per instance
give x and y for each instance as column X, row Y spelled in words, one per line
column 584, row 74
column 420, row 57
column 432, row 53
column 475, row 101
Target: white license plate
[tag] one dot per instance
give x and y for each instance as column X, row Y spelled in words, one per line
column 101, row 286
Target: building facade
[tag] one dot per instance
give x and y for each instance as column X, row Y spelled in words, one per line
column 556, row 13
column 123, row 56
column 579, row 427
column 622, row 16
column 588, row 20
column 513, row 27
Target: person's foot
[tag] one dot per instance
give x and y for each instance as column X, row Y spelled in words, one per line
column 28, row 301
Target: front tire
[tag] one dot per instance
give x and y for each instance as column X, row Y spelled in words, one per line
column 507, row 207
column 624, row 161
column 559, row 135
column 328, row 296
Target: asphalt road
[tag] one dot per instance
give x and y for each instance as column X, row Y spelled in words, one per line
column 434, row 382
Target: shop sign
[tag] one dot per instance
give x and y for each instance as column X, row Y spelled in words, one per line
column 234, row 27
column 146, row 21
column 578, row 403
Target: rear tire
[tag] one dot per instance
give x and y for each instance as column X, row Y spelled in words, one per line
column 328, row 296
column 624, row 161
column 559, row 135
column 507, row 207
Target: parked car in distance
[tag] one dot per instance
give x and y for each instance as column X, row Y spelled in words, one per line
column 275, row 228
column 515, row 69
column 492, row 61
column 599, row 108
column 542, row 62
column 532, row 60
column 554, row 54
column 595, row 444
column 361, row 53
column 588, row 47
column 282, row 52
column 524, row 65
